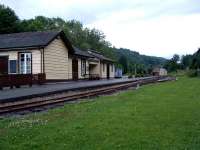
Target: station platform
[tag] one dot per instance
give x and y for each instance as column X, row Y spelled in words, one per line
column 52, row 88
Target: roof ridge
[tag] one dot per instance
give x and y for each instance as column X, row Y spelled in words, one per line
column 4, row 34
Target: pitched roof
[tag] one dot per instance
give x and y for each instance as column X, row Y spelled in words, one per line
column 158, row 69
column 80, row 52
column 99, row 56
column 31, row 40
column 91, row 54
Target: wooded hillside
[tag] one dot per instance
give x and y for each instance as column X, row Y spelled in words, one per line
column 81, row 37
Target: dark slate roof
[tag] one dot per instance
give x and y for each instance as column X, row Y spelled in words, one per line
column 79, row 52
column 99, row 56
column 156, row 70
column 91, row 54
column 31, row 40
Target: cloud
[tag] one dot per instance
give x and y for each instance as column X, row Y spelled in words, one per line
column 162, row 36
column 88, row 11
column 153, row 27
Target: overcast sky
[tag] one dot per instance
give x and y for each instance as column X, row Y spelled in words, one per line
column 151, row 27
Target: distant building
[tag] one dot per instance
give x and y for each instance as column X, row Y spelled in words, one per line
column 118, row 73
column 159, row 72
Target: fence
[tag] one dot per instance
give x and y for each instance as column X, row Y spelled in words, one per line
column 21, row 79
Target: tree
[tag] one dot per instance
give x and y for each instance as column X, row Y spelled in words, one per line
column 123, row 62
column 9, row 22
column 175, row 58
column 196, row 60
column 41, row 23
column 186, row 61
column 173, row 64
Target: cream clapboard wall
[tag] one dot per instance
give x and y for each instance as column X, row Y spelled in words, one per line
column 57, row 63
column 56, row 60
column 36, row 61
column 11, row 55
column 69, row 68
column 36, row 58
column 112, row 71
column 96, row 69
column 103, row 70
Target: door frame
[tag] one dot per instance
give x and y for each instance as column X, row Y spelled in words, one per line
column 75, row 69
column 7, row 58
column 108, row 71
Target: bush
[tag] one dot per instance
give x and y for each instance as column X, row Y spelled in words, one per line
column 131, row 76
column 192, row 73
column 139, row 75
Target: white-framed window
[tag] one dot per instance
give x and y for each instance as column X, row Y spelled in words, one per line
column 83, row 67
column 25, row 62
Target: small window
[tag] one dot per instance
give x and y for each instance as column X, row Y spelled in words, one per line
column 13, row 66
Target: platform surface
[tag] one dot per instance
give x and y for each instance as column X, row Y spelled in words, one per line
column 36, row 90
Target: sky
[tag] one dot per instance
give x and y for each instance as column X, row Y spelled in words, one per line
column 151, row 27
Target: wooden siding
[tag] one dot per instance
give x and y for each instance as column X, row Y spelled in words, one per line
column 56, row 60
column 70, row 68
column 11, row 55
column 163, row 72
column 103, row 71
column 36, row 61
column 112, row 72
column 36, row 58
column 95, row 69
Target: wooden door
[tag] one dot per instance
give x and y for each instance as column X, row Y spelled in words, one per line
column 75, row 69
column 108, row 71
column 3, row 65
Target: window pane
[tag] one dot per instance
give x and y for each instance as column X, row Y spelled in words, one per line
column 83, row 67
column 13, row 66
column 22, row 67
column 25, row 63
column 28, row 63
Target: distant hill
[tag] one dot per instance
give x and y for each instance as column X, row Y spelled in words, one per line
column 136, row 58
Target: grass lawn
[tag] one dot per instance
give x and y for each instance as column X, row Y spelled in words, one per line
column 162, row 116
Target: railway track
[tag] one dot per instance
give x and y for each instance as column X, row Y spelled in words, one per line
column 14, row 107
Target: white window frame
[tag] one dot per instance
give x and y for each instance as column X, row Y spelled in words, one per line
column 26, row 69
column 83, row 67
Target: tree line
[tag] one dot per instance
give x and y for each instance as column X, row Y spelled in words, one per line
column 190, row 63
column 81, row 37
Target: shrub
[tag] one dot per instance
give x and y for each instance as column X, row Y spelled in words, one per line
column 192, row 73
column 131, row 76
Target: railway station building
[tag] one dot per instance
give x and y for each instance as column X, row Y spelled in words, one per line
column 52, row 54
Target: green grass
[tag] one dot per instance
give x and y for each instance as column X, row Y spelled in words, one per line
column 162, row 116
